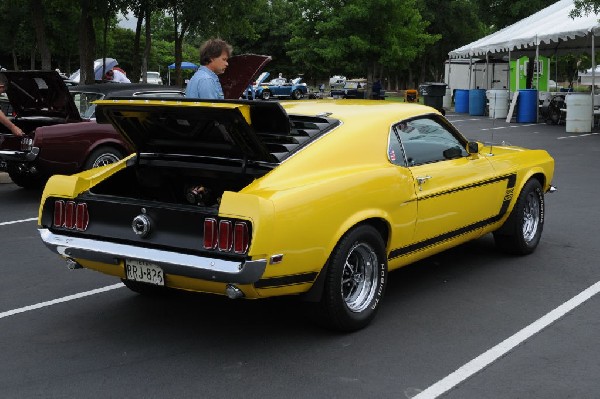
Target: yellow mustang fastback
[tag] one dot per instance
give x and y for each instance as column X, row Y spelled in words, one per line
column 313, row 198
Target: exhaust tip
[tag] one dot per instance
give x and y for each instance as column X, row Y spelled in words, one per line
column 233, row 292
column 72, row 264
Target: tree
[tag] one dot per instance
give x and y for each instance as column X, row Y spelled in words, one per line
column 359, row 37
column 442, row 18
column 16, row 37
column 585, row 7
column 37, row 13
column 500, row 13
column 206, row 19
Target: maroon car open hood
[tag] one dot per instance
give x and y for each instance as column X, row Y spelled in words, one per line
column 40, row 93
column 240, row 73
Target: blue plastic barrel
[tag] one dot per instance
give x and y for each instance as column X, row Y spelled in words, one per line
column 461, row 101
column 527, row 106
column 477, row 102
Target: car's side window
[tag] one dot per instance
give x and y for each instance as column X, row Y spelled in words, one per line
column 425, row 140
column 395, row 152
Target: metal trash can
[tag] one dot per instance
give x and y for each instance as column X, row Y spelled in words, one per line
column 433, row 95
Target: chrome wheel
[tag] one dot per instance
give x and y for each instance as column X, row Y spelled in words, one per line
column 355, row 279
column 102, row 156
column 359, row 277
column 521, row 232
column 531, row 216
column 105, row 159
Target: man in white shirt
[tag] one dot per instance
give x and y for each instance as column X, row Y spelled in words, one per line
column 116, row 76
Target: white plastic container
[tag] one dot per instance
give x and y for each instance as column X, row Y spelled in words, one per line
column 579, row 113
column 447, row 100
column 497, row 103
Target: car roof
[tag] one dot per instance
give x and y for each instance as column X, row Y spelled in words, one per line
column 358, row 112
column 120, row 89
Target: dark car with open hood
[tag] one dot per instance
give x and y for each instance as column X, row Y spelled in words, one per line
column 62, row 136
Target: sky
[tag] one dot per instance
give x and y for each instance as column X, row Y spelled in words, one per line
column 128, row 23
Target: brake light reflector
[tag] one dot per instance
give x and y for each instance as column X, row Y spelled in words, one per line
column 225, row 235
column 210, row 233
column 59, row 213
column 69, row 215
column 81, row 217
column 240, row 238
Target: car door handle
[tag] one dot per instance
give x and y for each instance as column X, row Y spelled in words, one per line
column 421, row 180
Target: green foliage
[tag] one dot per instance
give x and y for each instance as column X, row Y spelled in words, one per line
column 356, row 37
column 407, row 39
column 585, row 7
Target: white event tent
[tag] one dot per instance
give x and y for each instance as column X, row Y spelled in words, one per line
column 549, row 31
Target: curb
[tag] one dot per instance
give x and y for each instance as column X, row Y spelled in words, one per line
column 4, row 178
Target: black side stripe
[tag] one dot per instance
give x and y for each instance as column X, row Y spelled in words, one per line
column 286, row 280
column 510, row 187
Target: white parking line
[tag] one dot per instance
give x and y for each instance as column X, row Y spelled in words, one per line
column 17, row 221
column 485, row 359
column 60, row 300
column 577, row 136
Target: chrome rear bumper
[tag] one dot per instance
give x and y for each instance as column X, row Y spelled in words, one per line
column 20, row 156
column 210, row 269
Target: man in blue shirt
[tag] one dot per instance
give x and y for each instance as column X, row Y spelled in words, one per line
column 205, row 84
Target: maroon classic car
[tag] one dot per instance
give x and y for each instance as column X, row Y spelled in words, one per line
column 62, row 136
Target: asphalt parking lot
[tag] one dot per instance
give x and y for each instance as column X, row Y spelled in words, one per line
column 467, row 323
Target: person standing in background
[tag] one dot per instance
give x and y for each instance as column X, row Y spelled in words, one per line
column 3, row 118
column 214, row 54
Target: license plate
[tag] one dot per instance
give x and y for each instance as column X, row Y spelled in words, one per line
column 145, row 272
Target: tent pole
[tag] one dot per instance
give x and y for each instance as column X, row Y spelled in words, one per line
column 555, row 71
column 593, row 74
column 508, row 75
column 537, row 76
column 487, row 69
column 470, row 69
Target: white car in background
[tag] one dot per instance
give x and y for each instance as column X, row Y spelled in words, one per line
column 153, row 78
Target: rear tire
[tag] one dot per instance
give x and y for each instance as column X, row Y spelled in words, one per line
column 26, row 181
column 266, row 94
column 297, row 94
column 355, row 280
column 521, row 233
column 101, row 156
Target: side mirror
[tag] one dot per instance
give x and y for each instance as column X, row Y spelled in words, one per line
column 473, row 147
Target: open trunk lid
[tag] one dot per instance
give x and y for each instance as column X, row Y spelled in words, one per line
column 225, row 128
column 40, row 93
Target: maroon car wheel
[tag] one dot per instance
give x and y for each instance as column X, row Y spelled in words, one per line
column 103, row 156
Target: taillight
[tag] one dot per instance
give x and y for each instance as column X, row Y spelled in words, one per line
column 71, row 215
column 240, row 238
column 82, row 217
column 210, row 233
column 26, row 144
column 59, row 213
column 226, row 235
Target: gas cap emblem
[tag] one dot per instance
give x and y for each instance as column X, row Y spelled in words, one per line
column 141, row 225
